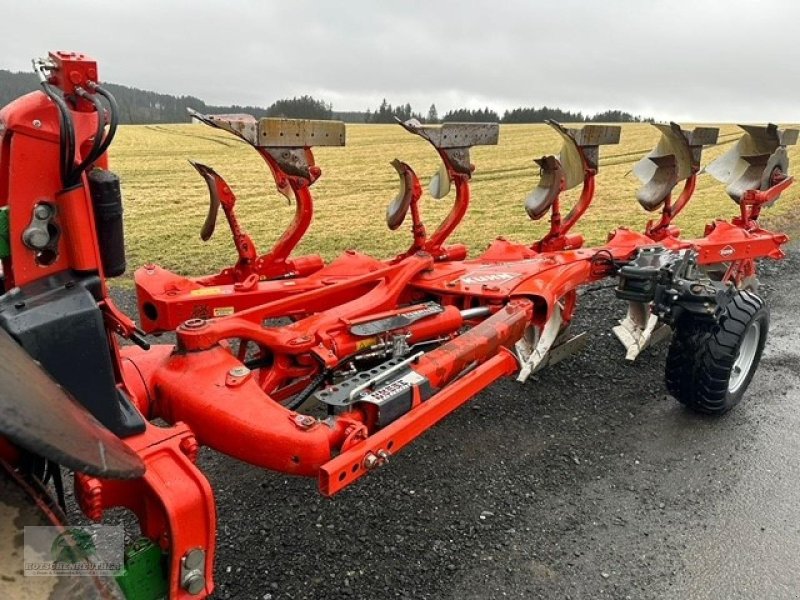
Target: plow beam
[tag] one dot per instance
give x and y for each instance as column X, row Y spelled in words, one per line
column 356, row 462
column 285, row 145
column 228, row 411
column 233, row 415
column 459, row 369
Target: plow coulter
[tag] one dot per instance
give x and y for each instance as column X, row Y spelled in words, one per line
column 329, row 370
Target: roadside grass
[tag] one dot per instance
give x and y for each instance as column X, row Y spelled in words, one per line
column 166, row 200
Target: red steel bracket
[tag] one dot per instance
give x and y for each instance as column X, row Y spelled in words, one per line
column 173, row 502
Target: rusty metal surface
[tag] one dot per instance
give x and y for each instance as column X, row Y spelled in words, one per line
column 581, row 148
column 702, row 136
column 271, row 132
column 455, row 135
column 292, row 161
column 663, row 176
column 209, row 225
column 675, row 158
column 38, row 415
column 240, row 125
column 398, row 208
column 541, row 199
column 748, row 165
column 596, row 135
column 299, row 133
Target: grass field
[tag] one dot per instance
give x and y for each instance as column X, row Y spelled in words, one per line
column 166, row 200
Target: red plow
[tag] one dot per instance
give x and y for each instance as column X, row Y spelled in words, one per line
column 328, row 371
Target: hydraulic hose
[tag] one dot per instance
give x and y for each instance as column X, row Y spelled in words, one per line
column 114, row 118
column 67, row 135
column 96, row 151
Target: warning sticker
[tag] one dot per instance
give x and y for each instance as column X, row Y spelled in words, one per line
column 223, row 311
column 210, row 291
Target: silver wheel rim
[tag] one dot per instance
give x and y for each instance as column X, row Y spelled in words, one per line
column 746, row 357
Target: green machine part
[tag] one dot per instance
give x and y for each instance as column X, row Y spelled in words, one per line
column 144, row 575
column 5, row 244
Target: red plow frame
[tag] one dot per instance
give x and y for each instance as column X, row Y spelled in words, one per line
column 375, row 352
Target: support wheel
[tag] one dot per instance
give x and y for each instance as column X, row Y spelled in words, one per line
column 710, row 365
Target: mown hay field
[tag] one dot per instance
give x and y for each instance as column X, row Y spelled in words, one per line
column 166, row 200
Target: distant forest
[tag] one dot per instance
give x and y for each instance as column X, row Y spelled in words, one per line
column 141, row 106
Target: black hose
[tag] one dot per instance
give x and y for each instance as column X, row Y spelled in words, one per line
column 54, row 472
column 114, row 118
column 66, row 133
column 260, row 362
column 300, row 398
column 96, row 151
column 604, row 260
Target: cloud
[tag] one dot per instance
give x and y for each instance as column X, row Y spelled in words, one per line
column 704, row 61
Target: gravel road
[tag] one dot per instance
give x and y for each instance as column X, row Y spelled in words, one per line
column 586, row 482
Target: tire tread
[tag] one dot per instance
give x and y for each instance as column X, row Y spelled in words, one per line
column 702, row 354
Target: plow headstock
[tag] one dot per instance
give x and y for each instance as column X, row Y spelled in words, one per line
column 577, row 162
column 758, row 161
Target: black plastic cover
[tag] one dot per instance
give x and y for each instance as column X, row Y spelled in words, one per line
column 41, row 417
column 58, row 322
column 637, row 284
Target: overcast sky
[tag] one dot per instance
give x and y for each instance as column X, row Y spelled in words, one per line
column 698, row 60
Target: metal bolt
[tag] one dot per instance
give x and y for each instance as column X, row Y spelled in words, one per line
column 304, row 421
column 371, row 461
column 193, row 559
column 194, row 323
column 42, row 211
column 192, row 566
column 37, row 123
column 239, row 371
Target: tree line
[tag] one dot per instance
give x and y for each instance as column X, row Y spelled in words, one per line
column 142, row 106
column 386, row 113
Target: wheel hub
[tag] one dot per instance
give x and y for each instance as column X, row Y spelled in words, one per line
column 745, row 358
